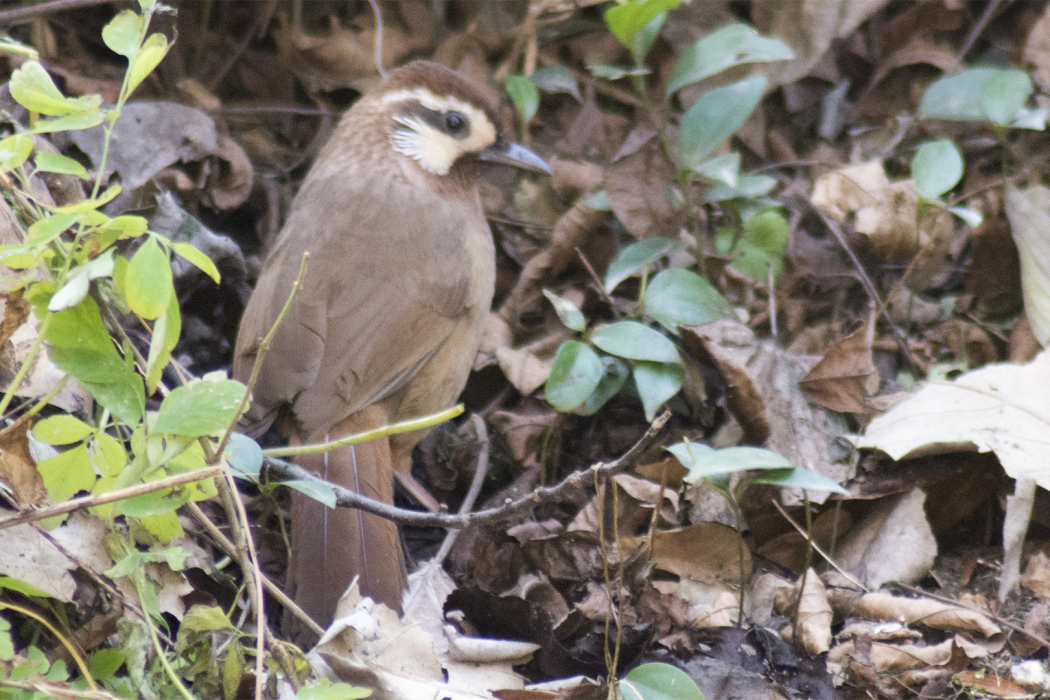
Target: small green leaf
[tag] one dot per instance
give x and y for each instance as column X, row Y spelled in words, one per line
column 206, row 618
column 49, row 228
column 733, row 459
column 971, row 217
column 322, row 493
column 637, row 256
column 198, row 259
column 105, row 663
column 635, row 341
column 202, row 408
column 613, row 378
column 656, row 383
column 149, row 56
column 770, row 231
column 716, row 116
column 166, row 332
column 14, row 151
column 569, row 314
column 574, row 376
column 724, row 169
column 244, row 455
column 67, row 474
column 525, row 96
column 936, row 168
column 77, row 281
column 47, row 162
column 148, row 284
column 658, row 681
column 678, row 296
column 62, row 429
column 727, row 47
column 599, row 201
column 14, row 584
column 333, row 691
column 646, row 36
column 73, row 122
column 123, row 33
column 89, row 205
column 977, row 94
column 798, row 478
column 154, row 503
column 556, row 79
column 108, row 455
column 611, row 72
column 746, row 186
column 32, row 87
column 626, row 20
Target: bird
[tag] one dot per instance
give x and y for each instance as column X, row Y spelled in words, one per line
column 398, row 285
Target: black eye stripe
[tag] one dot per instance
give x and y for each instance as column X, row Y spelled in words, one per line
column 452, row 122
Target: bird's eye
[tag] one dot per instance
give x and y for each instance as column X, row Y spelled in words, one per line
column 455, row 123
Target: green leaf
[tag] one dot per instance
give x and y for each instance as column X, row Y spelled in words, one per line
column 89, row 205
column 574, row 376
column 62, row 429
column 67, row 474
column 206, row 618
column 33, row 88
column 678, row 296
column 730, row 460
column 626, row 20
column 769, row 231
column 81, row 347
column 333, row 691
column 14, row 151
column 153, row 503
column 725, row 169
column 525, row 96
column 971, row 217
column 599, row 201
column 613, row 378
column 108, row 455
column 611, row 72
column 322, row 493
column 569, row 314
column 656, row 383
column 556, row 79
column 202, row 408
column 148, row 284
column 727, row 47
column 47, row 162
column 637, row 256
column 798, row 478
column 166, row 332
column 123, row 33
column 244, row 455
column 75, row 288
column 49, row 228
column 153, row 50
column 105, row 663
column 646, row 36
column 14, row 584
column 635, row 341
column 977, row 94
column 936, row 168
column 659, row 681
column 716, row 116
column 746, row 186
column 196, row 258
column 72, row 122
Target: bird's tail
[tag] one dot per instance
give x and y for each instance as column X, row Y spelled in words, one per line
column 332, row 546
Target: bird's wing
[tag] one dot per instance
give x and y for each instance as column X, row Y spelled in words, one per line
column 387, row 280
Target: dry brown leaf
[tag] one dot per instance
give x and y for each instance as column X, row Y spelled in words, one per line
column 1037, row 50
column 893, row 542
column 931, row 613
column 637, row 184
column 523, row 369
column 1036, row 576
column 841, row 380
column 230, row 182
column 27, row 555
column 994, row 685
column 19, row 479
column 723, row 612
column 813, row 632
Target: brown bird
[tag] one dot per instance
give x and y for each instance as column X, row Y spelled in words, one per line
column 398, row 285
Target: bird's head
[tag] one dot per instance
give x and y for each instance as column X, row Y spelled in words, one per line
column 441, row 121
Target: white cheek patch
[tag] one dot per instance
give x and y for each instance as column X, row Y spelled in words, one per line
column 432, row 148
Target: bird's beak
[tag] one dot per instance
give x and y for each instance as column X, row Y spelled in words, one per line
column 515, row 155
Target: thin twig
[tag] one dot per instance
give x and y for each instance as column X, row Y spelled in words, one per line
column 597, row 280
column 119, row 495
column 21, row 15
column 816, row 548
column 986, row 17
column 272, row 588
column 480, row 470
column 260, row 353
column 379, row 37
column 574, row 482
column 869, row 286
column 405, row 426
